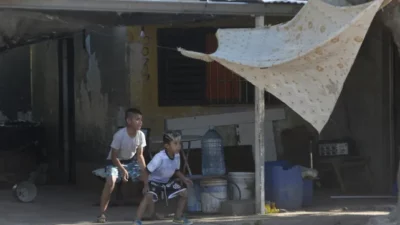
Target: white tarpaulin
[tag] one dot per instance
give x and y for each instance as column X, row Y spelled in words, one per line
column 303, row 62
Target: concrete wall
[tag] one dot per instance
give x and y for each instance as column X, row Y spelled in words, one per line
column 101, row 90
column 15, row 82
column 154, row 114
column 361, row 112
column 45, row 94
column 109, row 78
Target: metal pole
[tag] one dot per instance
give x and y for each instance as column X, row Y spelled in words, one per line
column 259, row 152
column 65, row 108
column 391, row 117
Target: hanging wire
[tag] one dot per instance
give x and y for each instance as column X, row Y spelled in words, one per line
column 76, row 34
column 104, row 34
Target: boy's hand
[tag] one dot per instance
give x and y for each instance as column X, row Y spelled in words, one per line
column 188, row 182
column 125, row 175
column 146, row 188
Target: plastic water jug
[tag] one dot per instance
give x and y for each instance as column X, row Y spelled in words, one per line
column 213, row 162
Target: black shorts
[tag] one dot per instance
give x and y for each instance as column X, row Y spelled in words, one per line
column 170, row 189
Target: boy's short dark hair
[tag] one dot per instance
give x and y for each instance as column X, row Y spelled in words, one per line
column 171, row 136
column 132, row 111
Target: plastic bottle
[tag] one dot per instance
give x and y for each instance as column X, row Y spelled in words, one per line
column 213, row 162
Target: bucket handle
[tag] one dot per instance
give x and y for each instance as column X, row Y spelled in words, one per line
column 224, row 199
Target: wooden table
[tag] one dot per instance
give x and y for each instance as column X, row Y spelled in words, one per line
column 185, row 153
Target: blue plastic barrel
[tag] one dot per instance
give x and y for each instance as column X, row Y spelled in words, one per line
column 308, row 192
column 287, row 188
column 269, row 181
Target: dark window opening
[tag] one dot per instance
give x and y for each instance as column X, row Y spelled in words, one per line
column 183, row 81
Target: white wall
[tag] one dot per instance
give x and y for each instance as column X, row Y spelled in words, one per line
column 243, row 121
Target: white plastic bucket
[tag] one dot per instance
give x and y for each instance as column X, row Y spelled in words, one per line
column 214, row 192
column 244, row 188
column 194, row 198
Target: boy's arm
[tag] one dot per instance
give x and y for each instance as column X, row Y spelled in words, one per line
column 115, row 148
column 178, row 172
column 140, row 158
column 115, row 160
column 145, row 177
column 180, row 175
column 139, row 153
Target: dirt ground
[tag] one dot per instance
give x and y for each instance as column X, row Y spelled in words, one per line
column 67, row 206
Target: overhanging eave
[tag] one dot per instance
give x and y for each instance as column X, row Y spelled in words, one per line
column 152, row 6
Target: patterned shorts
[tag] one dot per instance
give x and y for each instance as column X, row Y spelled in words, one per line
column 170, row 189
column 133, row 169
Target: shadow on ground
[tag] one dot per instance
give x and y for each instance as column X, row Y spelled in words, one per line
column 67, row 206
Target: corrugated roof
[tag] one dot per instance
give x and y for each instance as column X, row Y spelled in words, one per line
column 215, row 7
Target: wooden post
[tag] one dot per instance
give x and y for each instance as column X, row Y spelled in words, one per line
column 259, row 152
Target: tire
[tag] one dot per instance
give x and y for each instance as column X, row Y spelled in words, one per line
column 25, row 191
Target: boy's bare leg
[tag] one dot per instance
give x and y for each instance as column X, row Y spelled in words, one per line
column 181, row 204
column 106, row 194
column 151, row 208
column 147, row 200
